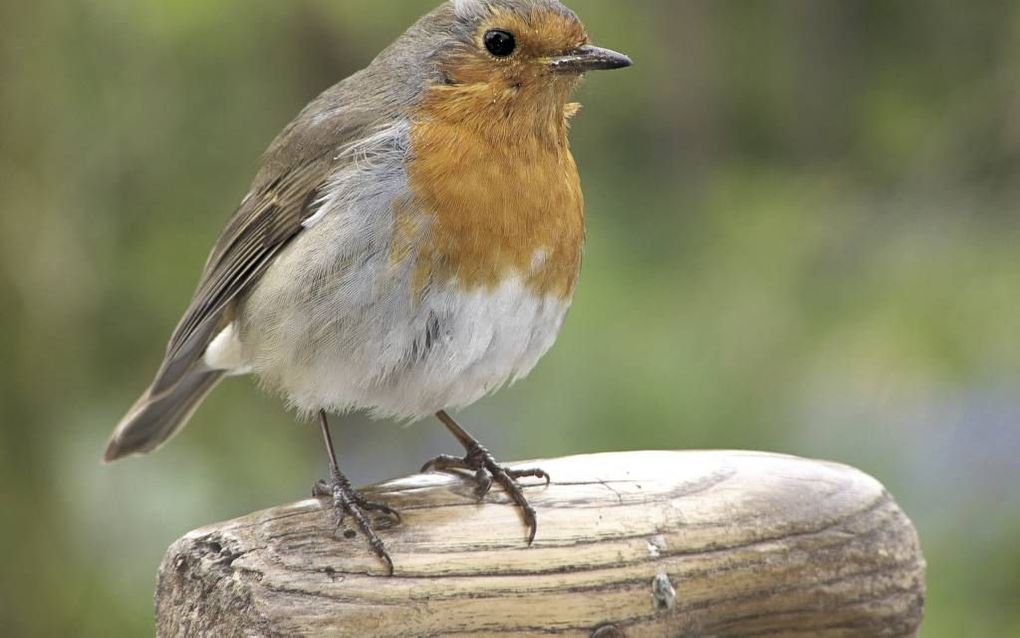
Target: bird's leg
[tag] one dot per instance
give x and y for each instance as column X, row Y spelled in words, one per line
column 347, row 502
column 486, row 471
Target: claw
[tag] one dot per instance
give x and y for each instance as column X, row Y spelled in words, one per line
column 321, row 489
column 484, row 479
column 389, row 563
column 487, row 472
column 381, row 507
column 444, row 462
column 346, row 502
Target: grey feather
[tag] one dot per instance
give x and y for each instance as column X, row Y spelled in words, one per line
column 156, row 417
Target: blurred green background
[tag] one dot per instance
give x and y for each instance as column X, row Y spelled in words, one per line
column 804, row 237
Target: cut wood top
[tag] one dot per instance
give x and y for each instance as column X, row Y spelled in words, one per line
column 644, row 543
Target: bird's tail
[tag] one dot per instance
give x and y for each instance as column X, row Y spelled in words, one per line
column 156, row 417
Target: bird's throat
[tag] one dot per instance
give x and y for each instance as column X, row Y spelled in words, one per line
column 500, row 191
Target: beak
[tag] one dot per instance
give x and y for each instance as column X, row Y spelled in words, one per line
column 588, row 58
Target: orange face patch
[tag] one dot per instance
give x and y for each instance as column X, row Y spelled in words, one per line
column 491, row 165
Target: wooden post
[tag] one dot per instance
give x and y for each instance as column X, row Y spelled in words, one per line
column 629, row 544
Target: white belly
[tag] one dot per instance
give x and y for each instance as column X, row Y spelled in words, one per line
column 457, row 348
column 329, row 346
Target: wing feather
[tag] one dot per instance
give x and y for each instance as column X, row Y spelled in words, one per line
column 265, row 223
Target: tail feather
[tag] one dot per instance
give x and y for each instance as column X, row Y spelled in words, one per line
column 154, row 418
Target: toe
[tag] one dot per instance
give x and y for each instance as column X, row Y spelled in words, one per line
column 532, row 522
column 384, row 509
column 321, row 489
column 444, row 463
column 530, row 473
column 483, row 483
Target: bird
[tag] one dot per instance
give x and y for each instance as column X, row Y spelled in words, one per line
column 410, row 244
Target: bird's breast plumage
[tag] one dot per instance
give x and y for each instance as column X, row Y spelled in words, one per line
column 498, row 187
column 440, row 267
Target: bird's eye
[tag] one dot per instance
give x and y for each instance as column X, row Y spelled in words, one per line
column 500, row 43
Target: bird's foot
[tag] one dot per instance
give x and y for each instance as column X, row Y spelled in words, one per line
column 348, row 502
column 487, row 471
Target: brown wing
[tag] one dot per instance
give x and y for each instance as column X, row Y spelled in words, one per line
column 284, row 195
column 267, row 220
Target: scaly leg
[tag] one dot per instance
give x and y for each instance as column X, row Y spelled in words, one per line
column 347, row 501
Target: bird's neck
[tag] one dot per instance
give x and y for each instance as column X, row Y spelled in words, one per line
column 501, row 188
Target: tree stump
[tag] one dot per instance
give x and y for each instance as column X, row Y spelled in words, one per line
column 629, row 544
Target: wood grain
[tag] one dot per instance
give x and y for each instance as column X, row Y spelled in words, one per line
column 629, row 544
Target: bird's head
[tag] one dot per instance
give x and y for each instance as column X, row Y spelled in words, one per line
column 505, row 59
column 520, row 45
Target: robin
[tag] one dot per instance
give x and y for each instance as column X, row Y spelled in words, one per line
column 410, row 244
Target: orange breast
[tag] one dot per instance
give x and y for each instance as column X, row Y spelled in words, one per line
column 502, row 192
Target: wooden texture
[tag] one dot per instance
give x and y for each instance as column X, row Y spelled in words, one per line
column 629, row 544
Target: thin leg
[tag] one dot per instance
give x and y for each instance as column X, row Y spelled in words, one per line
column 487, row 471
column 346, row 501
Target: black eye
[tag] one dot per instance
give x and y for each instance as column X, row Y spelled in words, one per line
column 500, row 43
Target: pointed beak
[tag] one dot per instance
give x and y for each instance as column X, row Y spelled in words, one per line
column 589, row 58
